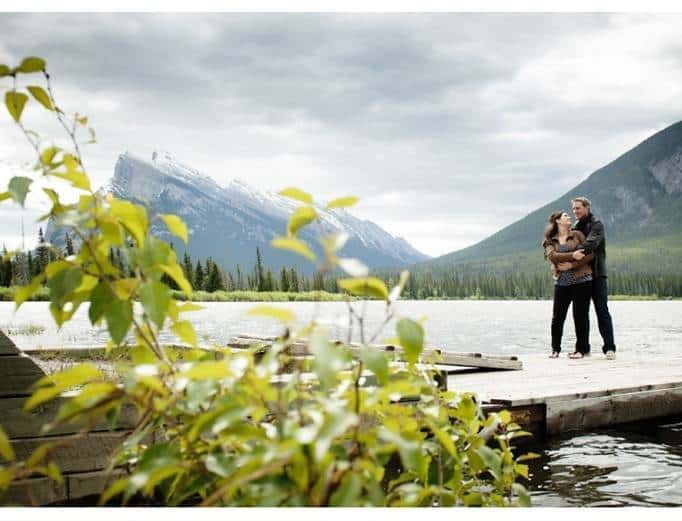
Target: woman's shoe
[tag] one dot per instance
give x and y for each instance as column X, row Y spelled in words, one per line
column 576, row 355
column 555, row 354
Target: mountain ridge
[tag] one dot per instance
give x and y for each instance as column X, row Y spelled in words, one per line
column 638, row 194
column 227, row 223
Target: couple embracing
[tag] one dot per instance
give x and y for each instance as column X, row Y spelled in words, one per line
column 578, row 257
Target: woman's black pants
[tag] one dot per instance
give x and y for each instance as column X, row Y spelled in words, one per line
column 579, row 295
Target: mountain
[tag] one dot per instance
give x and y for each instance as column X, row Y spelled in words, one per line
column 228, row 223
column 638, row 197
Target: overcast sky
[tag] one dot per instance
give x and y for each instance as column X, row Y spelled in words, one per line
column 447, row 126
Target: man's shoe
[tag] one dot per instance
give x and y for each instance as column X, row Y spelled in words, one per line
column 610, row 355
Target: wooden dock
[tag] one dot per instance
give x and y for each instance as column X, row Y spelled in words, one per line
column 545, row 396
column 551, row 397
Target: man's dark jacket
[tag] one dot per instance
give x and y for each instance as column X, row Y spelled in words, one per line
column 595, row 242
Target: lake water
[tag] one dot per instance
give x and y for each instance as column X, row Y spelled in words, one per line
column 631, row 465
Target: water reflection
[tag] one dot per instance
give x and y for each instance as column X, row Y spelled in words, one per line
column 635, row 465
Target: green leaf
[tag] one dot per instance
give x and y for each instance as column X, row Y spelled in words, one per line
column 299, row 195
column 522, row 493
column 410, row 450
column 295, row 245
column 6, row 476
column 119, row 315
column 329, row 359
column 411, row 336
column 133, row 217
column 209, row 370
column 53, row 385
column 492, row 460
column 41, row 96
column 116, row 488
column 52, row 471
column 48, row 155
column 185, row 332
column 348, row 492
column 100, row 297
column 155, row 297
column 444, row 439
column 521, row 470
column 55, row 267
column 15, row 102
column 301, row 217
column 64, row 283
column 175, row 272
column 375, row 360
column 527, row 456
column 18, row 188
column 32, row 64
column 5, row 71
column 6, row 450
column 26, row 292
column 365, row 286
column 5, row 195
column 474, row 499
column 220, row 464
column 283, row 315
column 398, row 288
column 77, row 178
column 342, row 202
column 176, row 226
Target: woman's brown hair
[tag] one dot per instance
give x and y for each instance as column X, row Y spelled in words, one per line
column 552, row 228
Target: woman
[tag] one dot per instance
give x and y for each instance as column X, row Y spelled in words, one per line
column 572, row 286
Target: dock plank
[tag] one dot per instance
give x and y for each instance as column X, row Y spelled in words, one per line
column 584, row 394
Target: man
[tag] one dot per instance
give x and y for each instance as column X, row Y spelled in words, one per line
column 595, row 242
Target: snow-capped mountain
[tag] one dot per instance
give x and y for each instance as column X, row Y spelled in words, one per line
column 227, row 223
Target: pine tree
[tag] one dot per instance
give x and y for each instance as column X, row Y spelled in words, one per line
column 283, row 280
column 269, row 283
column 258, row 272
column 198, row 277
column 239, row 279
column 187, row 268
column 69, row 245
column 31, row 265
column 214, row 281
column 42, row 253
column 5, row 268
column 293, row 281
column 318, row 281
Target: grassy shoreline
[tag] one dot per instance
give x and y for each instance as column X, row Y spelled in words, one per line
column 7, row 295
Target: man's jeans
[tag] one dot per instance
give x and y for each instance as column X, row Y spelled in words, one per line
column 600, row 295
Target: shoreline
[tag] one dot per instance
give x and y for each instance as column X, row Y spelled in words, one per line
column 7, row 295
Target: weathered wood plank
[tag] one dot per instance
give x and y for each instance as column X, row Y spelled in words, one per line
column 434, row 354
column 34, row 492
column 85, row 484
column 566, row 416
column 571, row 396
column 19, row 423
column 43, row 491
column 75, row 455
column 7, row 346
column 17, row 374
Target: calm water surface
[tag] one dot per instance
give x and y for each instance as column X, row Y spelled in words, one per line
column 632, row 465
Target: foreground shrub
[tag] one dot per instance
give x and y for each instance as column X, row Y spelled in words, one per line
column 345, row 426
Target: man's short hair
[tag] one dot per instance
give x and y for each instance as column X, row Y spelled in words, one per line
column 583, row 200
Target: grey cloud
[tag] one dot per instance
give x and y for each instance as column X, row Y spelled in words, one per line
column 418, row 104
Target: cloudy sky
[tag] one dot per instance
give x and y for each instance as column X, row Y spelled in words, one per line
column 448, row 126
